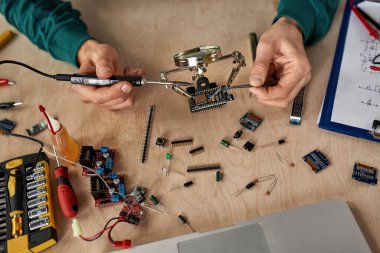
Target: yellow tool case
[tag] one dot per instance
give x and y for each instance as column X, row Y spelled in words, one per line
column 26, row 206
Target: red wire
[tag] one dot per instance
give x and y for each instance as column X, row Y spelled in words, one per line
column 101, row 231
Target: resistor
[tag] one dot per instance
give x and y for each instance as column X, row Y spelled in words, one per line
column 187, row 184
column 184, row 221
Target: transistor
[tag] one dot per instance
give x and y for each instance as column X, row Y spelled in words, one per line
column 185, row 185
column 238, row 134
column 250, row 121
column 202, row 168
column 180, row 143
column 248, row 146
column 316, row 160
column 364, row 173
column 228, row 145
column 184, row 221
column 196, row 150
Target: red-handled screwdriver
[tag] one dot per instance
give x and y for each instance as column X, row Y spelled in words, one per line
column 66, row 195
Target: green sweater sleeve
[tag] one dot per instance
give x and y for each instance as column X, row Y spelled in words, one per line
column 53, row 25
column 313, row 16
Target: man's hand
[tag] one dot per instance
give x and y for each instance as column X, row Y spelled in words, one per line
column 102, row 59
column 280, row 57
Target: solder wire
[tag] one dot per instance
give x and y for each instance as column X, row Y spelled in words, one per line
column 80, row 165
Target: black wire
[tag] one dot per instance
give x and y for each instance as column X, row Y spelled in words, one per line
column 28, row 67
column 375, row 58
column 109, row 231
column 35, row 160
column 99, row 235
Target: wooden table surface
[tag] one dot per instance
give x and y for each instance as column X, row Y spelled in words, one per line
column 147, row 34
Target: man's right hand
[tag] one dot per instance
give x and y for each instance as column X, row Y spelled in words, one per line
column 102, row 59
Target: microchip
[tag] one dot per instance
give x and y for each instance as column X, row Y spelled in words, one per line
column 210, row 98
column 248, row 146
column 316, row 160
column 250, row 121
column 364, row 173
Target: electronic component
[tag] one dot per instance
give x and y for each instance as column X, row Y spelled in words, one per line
column 228, row 145
column 209, row 99
column 206, row 95
column 296, row 115
column 7, row 124
column 202, row 168
column 184, row 221
column 218, row 176
column 157, row 203
column 160, row 142
column 183, row 142
column 376, row 129
column 148, row 130
column 284, row 160
column 250, row 121
column 248, row 146
column 37, row 128
column 364, row 173
column 279, row 142
column 101, row 193
column 238, row 134
column 256, row 181
column 132, row 210
column 167, row 172
column 185, row 185
column 168, row 157
column 101, row 160
column 316, row 160
column 196, row 150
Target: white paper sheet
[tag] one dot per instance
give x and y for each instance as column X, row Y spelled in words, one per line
column 357, row 98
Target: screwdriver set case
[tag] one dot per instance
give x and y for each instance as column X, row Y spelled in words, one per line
column 26, row 207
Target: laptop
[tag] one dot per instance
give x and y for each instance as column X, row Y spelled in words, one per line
column 328, row 226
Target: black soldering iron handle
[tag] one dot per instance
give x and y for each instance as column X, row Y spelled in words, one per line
column 93, row 80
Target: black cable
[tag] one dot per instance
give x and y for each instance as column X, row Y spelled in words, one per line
column 103, row 230
column 6, row 133
column 28, row 67
column 375, row 58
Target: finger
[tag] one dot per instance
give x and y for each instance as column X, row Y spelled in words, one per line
column 259, row 72
column 127, row 103
column 102, row 95
column 134, row 72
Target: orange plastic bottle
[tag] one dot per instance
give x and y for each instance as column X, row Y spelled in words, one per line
column 61, row 139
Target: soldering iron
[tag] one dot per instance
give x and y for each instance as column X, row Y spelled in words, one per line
column 93, row 80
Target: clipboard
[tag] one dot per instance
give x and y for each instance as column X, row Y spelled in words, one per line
column 328, row 103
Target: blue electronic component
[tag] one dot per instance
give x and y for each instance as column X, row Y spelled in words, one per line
column 317, row 160
column 104, row 149
column 100, row 170
column 122, row 189
column 115, row 197
column 113, row 175
column 109, row 163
